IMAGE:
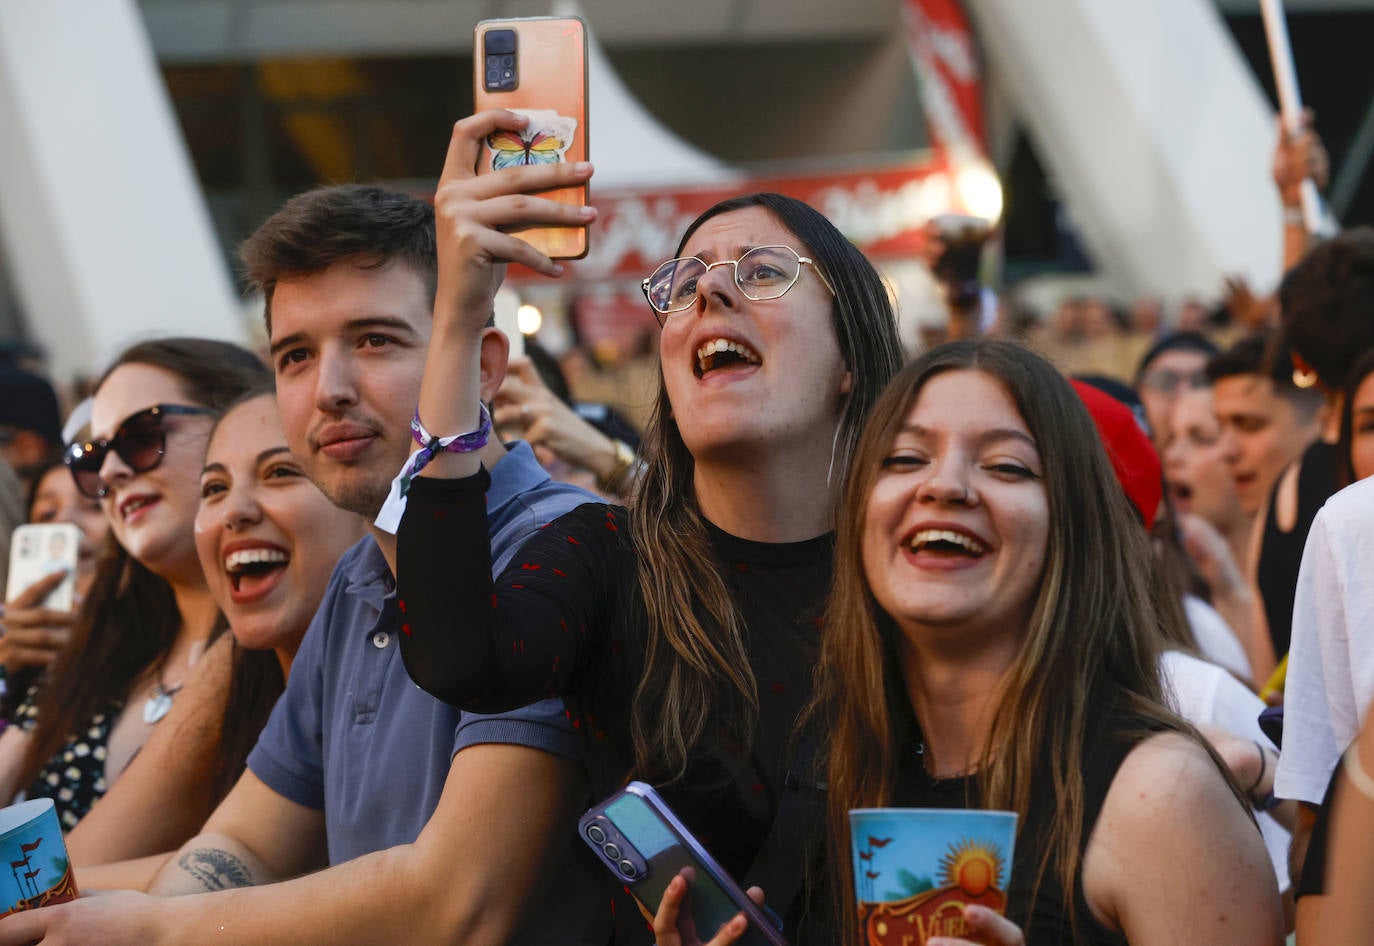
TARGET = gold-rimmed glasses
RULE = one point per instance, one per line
(765, 272)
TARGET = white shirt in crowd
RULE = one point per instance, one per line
(1331, 657)
(1215, 639)
(1203, 693)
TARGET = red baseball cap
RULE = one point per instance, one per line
(1132, 454)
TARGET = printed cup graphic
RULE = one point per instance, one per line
(40, 873)
(915, 869)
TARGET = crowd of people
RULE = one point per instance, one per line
(359, 631)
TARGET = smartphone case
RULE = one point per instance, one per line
(551, 71)
(639, 839)
(36, 551)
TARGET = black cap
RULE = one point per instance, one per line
(1177, 341)
(28, 402)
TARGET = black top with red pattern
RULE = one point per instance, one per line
(567, 619)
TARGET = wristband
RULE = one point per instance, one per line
(1292, 217)
(389, 518)
(458, 443)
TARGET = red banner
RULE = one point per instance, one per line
(948, 73)
(882, 210)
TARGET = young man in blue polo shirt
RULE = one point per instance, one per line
(353, 770)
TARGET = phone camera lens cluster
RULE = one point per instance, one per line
(499, 60)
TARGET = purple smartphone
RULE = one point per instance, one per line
(642, 842)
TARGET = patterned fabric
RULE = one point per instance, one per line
(74, 778)
(567, 618)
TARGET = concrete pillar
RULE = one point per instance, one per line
(1154, 132)
(103, 221)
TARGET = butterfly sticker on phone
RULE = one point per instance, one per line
(543, 141)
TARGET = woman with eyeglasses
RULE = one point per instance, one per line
(681, 633)
(149, 613)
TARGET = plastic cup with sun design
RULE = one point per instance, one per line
(40, 873)
(915, 869)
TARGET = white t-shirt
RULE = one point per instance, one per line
(1215, 639)
(1331, 657)
(1202, 692)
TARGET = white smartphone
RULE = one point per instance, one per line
(36, 551)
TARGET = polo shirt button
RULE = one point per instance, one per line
(381, 639)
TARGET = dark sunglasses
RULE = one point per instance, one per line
(140, 442)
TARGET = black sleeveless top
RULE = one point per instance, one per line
(1111, 737)
(1281, 552)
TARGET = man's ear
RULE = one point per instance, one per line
(494, 354)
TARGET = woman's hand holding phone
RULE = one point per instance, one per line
(478, 219)
(669, 921)
(477, 222)
(30, 634)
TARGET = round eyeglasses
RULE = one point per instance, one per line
(140, 441)
(765, 272)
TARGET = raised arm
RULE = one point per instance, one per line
(1298, 156)
(453, 641)
(475, 219)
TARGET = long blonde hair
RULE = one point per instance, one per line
(696, 663)
(1093, 635)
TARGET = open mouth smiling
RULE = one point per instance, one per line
(251, 569)
(718, 353)
(947, 542)
(130, 506)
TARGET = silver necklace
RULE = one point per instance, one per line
(931, 776)
(160, 703)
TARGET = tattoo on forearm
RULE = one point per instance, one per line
(215, 868)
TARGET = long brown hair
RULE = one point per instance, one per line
(256, 680)
(696, 664)
(1093, 635)
(129, 620)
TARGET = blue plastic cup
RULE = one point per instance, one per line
(915, 869)
(39, 874)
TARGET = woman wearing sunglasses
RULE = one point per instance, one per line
(680, 633)
(268, 541)
(149, 613)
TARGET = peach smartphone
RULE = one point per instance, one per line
(537, 66)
